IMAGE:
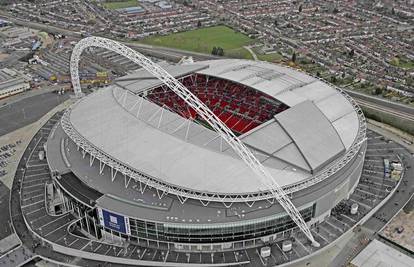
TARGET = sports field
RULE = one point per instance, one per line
(121, 4)
(273, 57)
(203, 40)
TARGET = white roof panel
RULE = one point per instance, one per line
(292, 155)
(268, 139)
(334, 107)
(347, 128)
(290, 98)
(142, 79)
(315, 91)
(313, 134)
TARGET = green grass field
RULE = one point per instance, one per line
(121, 4)
(272, 57)
(403, 62)
(203, 40)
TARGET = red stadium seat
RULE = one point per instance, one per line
(240, 107)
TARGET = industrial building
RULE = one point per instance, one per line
(12, 82)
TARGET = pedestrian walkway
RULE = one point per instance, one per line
(16, 257)
(8, 243)
(248, 48)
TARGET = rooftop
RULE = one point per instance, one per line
(318, 128)
(380, 254)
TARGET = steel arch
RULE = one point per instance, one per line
(245, 154)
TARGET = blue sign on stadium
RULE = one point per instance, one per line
(114, 221)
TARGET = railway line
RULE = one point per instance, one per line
(391, 111)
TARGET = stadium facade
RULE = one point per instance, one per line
(139, 165)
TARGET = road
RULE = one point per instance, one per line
(390, 111)
(20, 113)
(395, 109)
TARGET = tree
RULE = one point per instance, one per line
(294, 57)
(318, 74)
(409, 81)
(91, 22)
(220, 51)
(395, 61)
(214, 52)
(377, 91)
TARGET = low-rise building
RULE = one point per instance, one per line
(12, 82)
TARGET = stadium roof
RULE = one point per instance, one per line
(148, 81)
(318, 128)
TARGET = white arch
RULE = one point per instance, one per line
(245, 154)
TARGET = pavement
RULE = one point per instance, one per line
(16, 137)
(44, 87)
(248, 48)
(8, 243)
(16, 257)
(404, 139)
(28, 110)
(5, 230)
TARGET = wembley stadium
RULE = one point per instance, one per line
(154, 171)
(139, 163)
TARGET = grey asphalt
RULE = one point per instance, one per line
(383, 102)
(5, 230)
(28, 110)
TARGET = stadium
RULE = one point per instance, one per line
(141, 166)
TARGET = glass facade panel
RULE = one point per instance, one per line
(204, 233)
